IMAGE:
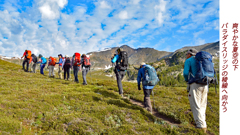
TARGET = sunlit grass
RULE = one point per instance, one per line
(34, 103)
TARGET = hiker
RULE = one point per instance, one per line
(34, 64)
(76, 59)
(51, 65)
(121, 60)
(86, 65)
(60, 62)
(27, 57)
(66, 66)
(43, 62)
(145, 73)
(197, 93)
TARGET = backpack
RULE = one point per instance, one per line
(68, 61)
(86, 61)
(205, 68)
(124, 60)
(34, 58)
(44, 60)
(77, 59)
(28, 54)
(52, 61)
(150, 77)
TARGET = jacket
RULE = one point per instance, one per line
(140, 76)
(190, 69)
(60, 62)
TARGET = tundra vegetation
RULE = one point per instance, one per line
(36, 104)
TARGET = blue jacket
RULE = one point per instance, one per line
(140, 76)
(60, 62)
(190, 65)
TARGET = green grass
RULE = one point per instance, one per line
(36, 104)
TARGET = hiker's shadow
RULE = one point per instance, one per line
(123, 103)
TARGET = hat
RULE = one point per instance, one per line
(142, 64)
(192, 51)
(40, 56)
(119, 50)
(60, 55)
(66, 56)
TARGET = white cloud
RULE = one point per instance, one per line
(160, 10)
(50, 8)
(136, 1)
(103, 4)
(200, 41)
(123, 15)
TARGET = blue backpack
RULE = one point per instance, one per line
(205, 68)
(150, 77)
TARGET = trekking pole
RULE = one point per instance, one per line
(153, 100)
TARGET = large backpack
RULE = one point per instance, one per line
(67, 61)
(124, 60)
(52, 61)
(44, 60)
(34, 58)
(28, 54)
(86, 61)
(150, 77)
(77, 59)
(205, 68)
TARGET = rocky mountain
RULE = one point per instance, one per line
(179, 56)
(136, 56)
(149, 55)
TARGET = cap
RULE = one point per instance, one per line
(192, 51)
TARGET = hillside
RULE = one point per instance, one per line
(37, 104)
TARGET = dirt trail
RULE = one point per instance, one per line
(157, 114)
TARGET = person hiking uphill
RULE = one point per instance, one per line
(197, 93)
(121, 60)
(147, 74)
(76, 59)
(27, 56)
(86, 65)
(34, 64)
(51, 65)
(66, 66)
(43, 62)
(60, 62)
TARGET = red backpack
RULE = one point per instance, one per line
(86, 61)
(77, 59)
(53, 61)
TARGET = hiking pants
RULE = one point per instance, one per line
(66, 70)
(60, 72)
(119, 76)
(147, 101)
(84, 74)
(34, 67)
(24, 62)
(42, 67)
(198, 102)
(75, 72)
(51, 70)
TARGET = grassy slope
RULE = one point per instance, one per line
(33, 103)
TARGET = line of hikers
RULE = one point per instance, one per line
(77, 63)
(198, 73)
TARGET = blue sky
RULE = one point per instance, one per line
(51, 27)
